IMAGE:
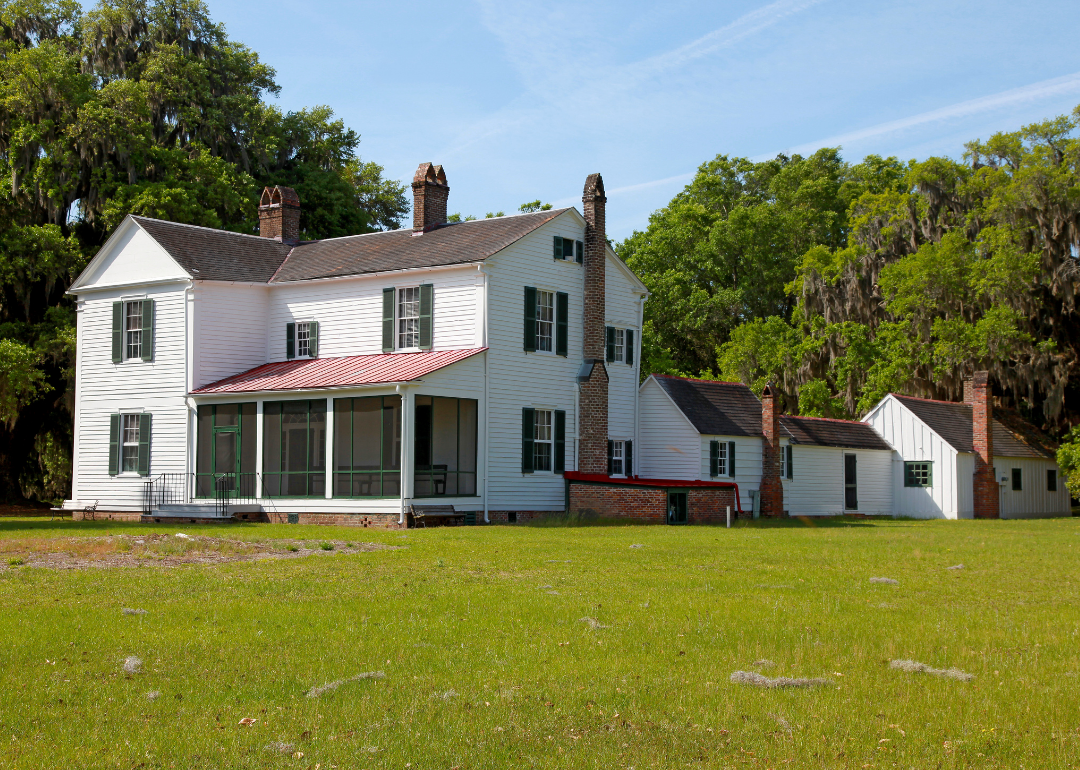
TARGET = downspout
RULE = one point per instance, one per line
(637, 383)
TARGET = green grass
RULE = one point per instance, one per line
(489, 664)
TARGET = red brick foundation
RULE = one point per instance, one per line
(336, 519)
(108, 516)
(648, 505)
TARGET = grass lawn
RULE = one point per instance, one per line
(518, 647)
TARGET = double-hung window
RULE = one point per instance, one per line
(619, 462)
(133, 331)
(542, 440)
(545, 320)
(303, 340)
(129, 452)
(722, 458)
(620, 345)
(408, 318)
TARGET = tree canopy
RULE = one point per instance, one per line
(135, 107)
(840, 283)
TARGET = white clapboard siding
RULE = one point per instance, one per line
(622, 306)
(747, 465)
(1033, 500)
(817, 484)
(540, 380)
(349, 311)
(230, 329)
(913, 440)
(105, 388)
(669, 443)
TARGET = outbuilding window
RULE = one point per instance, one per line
(1017, 480)
(1051, 480)
(918, 474)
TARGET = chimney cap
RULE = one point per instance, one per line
(429, 173)
(768, 392)
(981, 379)
(594, 188)
(279, 196)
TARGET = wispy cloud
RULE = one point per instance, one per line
(1036, 92)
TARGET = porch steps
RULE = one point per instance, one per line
(203, 513)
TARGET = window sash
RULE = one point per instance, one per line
(545, 320)
(303, 340)
(129, 443)
(408, 313)
(918, 474)
(618, 454)
(620, 345)
(543, 443)
(133, 317)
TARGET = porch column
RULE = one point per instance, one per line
(328, 452)
(259, 449)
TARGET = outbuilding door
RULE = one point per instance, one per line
(677, 507)
(851, 484)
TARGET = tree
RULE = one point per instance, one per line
(145, 107)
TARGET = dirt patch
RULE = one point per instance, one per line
(163, 550)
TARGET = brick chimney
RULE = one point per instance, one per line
(969, 392)
(430, 193)
(592, 451)
(985, 486)
(772, 489)
(279, 214)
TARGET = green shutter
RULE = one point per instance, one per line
(313, 339)
(628, 458)
(557, 247)
(580, 251)
(427, 302)
(629, 347)
(114, 444)
(559, 464)
(530, 318)
(787, 461)
(388, 320)
(562, 323)
(144, 444)
(290, 341)
(731, 459)
(527, 435)
(610, 458)
(714, 458)
(117, 332)
(611, 343)
(148, 330)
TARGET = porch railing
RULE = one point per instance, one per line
(168, 489)
(235, 489)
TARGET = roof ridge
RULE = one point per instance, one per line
(138, 217)
(826, 419)
(931, 400)
(696, 379)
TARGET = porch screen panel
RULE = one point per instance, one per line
(239, 418)
(367, 446)
(445, 449)
(294, 448)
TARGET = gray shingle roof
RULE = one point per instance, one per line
(220, 255)
(217, 255)
(732, 409)
(953, 422)
(400, 249)
(822, 431)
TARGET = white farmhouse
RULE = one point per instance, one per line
(943, 450)
(459, 366)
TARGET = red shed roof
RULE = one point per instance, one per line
(314, 373)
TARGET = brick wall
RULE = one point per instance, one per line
(772, 489)
(593, 414)
(984, 485)
(648, 505)
(593, 411)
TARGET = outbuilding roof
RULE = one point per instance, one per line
(317, 373)
(221, 255)
(953, 422)
(732, 409)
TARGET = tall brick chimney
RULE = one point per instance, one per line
(592, 451)
(772, 489)
(430, 193)
(985, 486)
(279, 214)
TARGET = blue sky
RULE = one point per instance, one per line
(521, 100)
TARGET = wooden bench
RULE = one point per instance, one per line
(420, 513)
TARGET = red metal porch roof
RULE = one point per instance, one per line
(314, 373)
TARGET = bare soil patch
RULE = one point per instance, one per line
(164, 550)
